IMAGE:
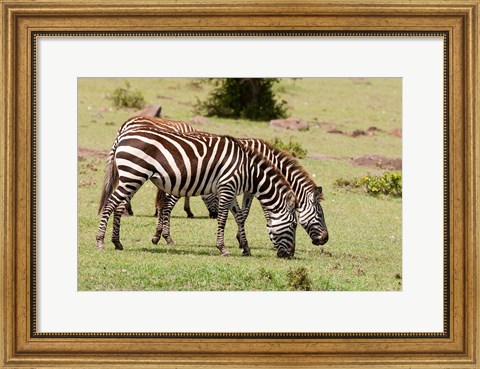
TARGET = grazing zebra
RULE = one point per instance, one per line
(192, 165)
(311, 216)
(308, 195)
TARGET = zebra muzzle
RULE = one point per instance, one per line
(284, 254)
(322, 240)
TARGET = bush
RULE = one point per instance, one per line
(124, 97)
(247, 98)
(389, 184)
(299, 280)
(292, 147)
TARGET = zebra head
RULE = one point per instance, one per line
(282, 225)
(312, 219)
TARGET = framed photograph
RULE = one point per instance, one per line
(353, 125)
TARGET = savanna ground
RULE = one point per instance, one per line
(364, 252)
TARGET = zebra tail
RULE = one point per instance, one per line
(111, 177)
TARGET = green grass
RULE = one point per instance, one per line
(363, 253)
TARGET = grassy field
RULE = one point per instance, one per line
(364, 252)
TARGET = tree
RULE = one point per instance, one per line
(247, 98)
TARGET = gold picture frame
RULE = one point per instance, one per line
(457, 347)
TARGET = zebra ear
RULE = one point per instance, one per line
(319, 193)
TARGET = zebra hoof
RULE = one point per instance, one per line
(246, 253)
(118, 246)
(225, 253)
(168, 240)
(283, 254)
(101, 247)
(155, 240)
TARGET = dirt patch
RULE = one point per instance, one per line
(84, 152)
(290, 123)
(164, 97)
(377, 161)
(396, 132)
(360, 81)
(371, 131)
(336, 131)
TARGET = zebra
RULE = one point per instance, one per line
(310, 212)
(309, 195)
(196, 164)
(311, 215)
(177, 126)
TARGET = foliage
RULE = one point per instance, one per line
(294, 148)
(247, 98)
(388, 183)
(299, 280)
(125, 97)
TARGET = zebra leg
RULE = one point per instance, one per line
(117, 215)
(186, 207)
(241, 236)
(159, 201)
(113, 202)
(168, 205)
(128, 208)
(211, 202)
(224, 204)
(163, 221)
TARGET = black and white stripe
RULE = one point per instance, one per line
(308, 194)
(179, 127)
(192, 165)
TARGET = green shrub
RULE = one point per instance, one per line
(388, 183)
(124, 97)
(299, 280)
(292, 147)
(246, 98)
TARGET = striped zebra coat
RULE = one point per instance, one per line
(192, 165)
(308, 194)
(211, 201)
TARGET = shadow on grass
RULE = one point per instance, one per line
(191, 248)
(202, 217)
(201, 250)
(208, 250)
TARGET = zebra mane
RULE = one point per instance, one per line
(290, 161)
(255, 153)
(293, 162)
